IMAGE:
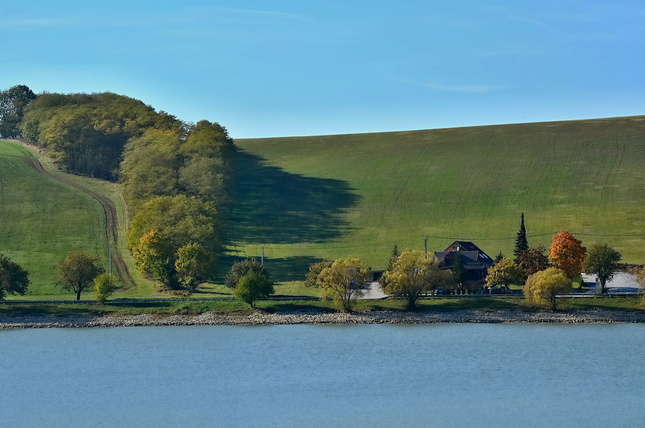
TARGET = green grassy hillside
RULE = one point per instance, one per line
(41, 219)
(308, 198)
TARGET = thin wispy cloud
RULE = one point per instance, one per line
(265, 13)
(473, 89)
(570, 35)
(41, 22)
(79, 22)
(194, 16)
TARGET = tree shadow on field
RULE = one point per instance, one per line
(289, 268)
(281, 269)
(272, 206)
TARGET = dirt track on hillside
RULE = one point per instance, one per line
(111, 225)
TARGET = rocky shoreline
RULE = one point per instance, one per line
(590, 316)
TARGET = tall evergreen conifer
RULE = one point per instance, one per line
(521, 244)
(393, 257)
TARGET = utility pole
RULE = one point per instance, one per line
(110, 259)
(262, 256)
(425, 245)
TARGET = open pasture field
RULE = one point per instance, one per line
(309, 198)
(41, 219)
(44, 216)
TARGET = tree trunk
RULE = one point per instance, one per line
(78, 295)
(412, 304)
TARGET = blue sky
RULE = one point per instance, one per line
(309, 67)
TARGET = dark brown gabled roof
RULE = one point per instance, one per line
(465, 247)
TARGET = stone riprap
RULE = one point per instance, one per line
(312, 317)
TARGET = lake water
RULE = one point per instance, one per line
(478, 375)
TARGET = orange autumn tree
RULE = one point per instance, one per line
(567, 253)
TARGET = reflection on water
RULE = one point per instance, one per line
(359, 376)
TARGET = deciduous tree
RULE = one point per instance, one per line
(343, 281)
(104, 286)
(241, 268)
(602, 261)
(13, 102)
(78, 270)
(253, 286)
(534, 260)
(639, 275)
(311, 278)
(412, 274)
(505, 272)
(153, 255)
(567, 253)
(13, 278)
(194, 264)
(544, 286)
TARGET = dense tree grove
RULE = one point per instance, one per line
(86, 133)
(175, 176)
(163, 226)
(196, 163)
(175, 183)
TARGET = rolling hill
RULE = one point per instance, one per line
(308, 198)
(303, 199)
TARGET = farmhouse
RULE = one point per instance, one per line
(474, 261)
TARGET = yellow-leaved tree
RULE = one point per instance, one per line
(505, 272)
(412, 274)
(544, 286)
(343, 281)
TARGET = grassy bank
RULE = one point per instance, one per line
(490, 304)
